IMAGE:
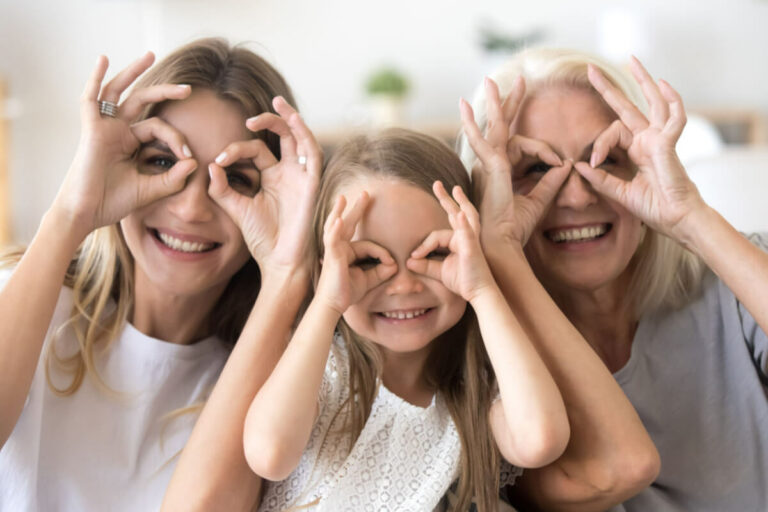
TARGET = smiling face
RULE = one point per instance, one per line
(408, 311)
(584, 241)
(185, 244)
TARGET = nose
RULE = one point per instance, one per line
(192, 203)
(576, 192)
(404, 282)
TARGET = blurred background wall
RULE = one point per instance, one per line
(713, 51)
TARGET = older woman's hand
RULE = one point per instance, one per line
(506, 217)
(660, 193)
(275, 222)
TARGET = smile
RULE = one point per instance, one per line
(584, 234)
(184, 245)
(404, 314)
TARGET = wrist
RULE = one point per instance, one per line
(695, 225)
(503, 252)
(288, 276)
(484, 294)
(325, 308)
(68, 228)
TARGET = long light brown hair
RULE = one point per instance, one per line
(460, 369)
(101, 272)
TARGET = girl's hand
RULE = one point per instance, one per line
(454, 256)
(103, 184)
(350, 269)
(507, 217)
(660, 193)
(275, 221)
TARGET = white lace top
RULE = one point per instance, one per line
(404, 460)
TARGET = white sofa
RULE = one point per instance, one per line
(734, 181)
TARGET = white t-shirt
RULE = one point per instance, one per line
(404, 460)
(92, 451)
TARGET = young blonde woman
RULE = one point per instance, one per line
(177, 211)
(668, 294)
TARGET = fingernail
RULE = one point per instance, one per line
(251, 119)
(187, 152)
(221, 157)
(210, 171)
(592, 160)
(183, 86)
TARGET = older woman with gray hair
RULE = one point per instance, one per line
(587, 184)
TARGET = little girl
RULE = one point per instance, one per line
(391, 387)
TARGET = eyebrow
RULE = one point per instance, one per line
(156, 144)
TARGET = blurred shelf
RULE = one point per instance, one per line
(737, 126)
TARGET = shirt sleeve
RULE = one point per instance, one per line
(754, 335)
(509, 474)
(5, 275)
(333, 389)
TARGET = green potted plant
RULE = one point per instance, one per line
(387, 88)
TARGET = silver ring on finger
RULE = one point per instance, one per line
(302, 160)
(107, 108)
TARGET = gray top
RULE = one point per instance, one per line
(698, 378)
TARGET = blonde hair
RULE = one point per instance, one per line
(664, 274)
(101, 273)
(465, 383)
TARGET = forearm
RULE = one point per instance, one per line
(535, 423)
(610, 455)
(216, 443)
(27, 303)
(282, 414)
(741, 265)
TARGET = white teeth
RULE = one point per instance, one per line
(183, 245)
(578, 234)
(403, 315)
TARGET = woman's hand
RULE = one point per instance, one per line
(350, 269)
(454, 256)
(660, 193)
(275, 222)
(507, 217)
(103, 184)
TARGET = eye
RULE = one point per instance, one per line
(609, 160)
(537, 168)
(156, 164)
(366, 263)
(438, 254)
(242, 183)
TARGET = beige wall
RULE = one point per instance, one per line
(712, 50)
(5, 221)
